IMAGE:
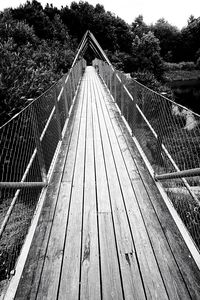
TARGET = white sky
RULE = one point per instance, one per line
(176, 12)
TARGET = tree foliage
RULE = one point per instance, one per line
(138, 27)
(170, 39)
(38, 44)
(146, 53)
(191, 38)
(29, 64)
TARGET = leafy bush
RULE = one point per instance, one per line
(146, 78)
(29, 65)
(23, 76)
(186, 66)
(171, 66)
(149, 80)
(146, 55)
(198, 64)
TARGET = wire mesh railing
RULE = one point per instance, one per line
(169, 135)
(28, 143)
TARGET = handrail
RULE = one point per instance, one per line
(180, 174)
(22, 185)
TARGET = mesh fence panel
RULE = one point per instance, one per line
(185, 204)
(169, 135)
(18, 145)
(45, 112)
(27, 147)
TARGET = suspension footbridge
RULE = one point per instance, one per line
(115, 215)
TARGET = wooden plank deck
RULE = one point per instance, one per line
(104, 231)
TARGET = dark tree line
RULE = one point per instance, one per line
(37, 46)
(113, 33)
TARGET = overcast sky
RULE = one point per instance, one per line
(176, 12)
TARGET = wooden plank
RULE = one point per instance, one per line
(110, 274)
(90, 271)
(181, 253)
(172, 276)
(173, 280)
(69, 281)
(67, 173)
(152, 277)
(131, 277)
(49, 281)
(29, 282)
(186, 264)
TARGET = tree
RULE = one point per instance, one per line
(146, 53)
(190, 36)
(60, 31)
(138, 27)
(124, 36)
(99, 9)
(19, 31)
(29, 65)
(51, 11)
(191, 19)
(34, 15)
(170, 38)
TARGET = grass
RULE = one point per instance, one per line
(16, 230)
(181, 75)
(188, 210)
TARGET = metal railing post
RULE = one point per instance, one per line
(57, 114)
(77, 76)
(65, 97)
(82, 68)
(160, 133)
(34, 123)
(111, 82)
(105, 74)
(101, 69)
(71, 87)
(115, 86)
(74, 78)
(78, 73)
(140, 119)
(134, 111)
(110, 79)
(73, 82)
(107, 77)
(122, 97)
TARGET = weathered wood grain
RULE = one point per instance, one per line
(172, 278)
(111, 281)
(153, 283)
(131, 277)
(70, 273)
(90, 269)
(49, 281)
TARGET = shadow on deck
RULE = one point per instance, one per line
(104, 231)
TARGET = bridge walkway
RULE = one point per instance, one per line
(104, 231)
